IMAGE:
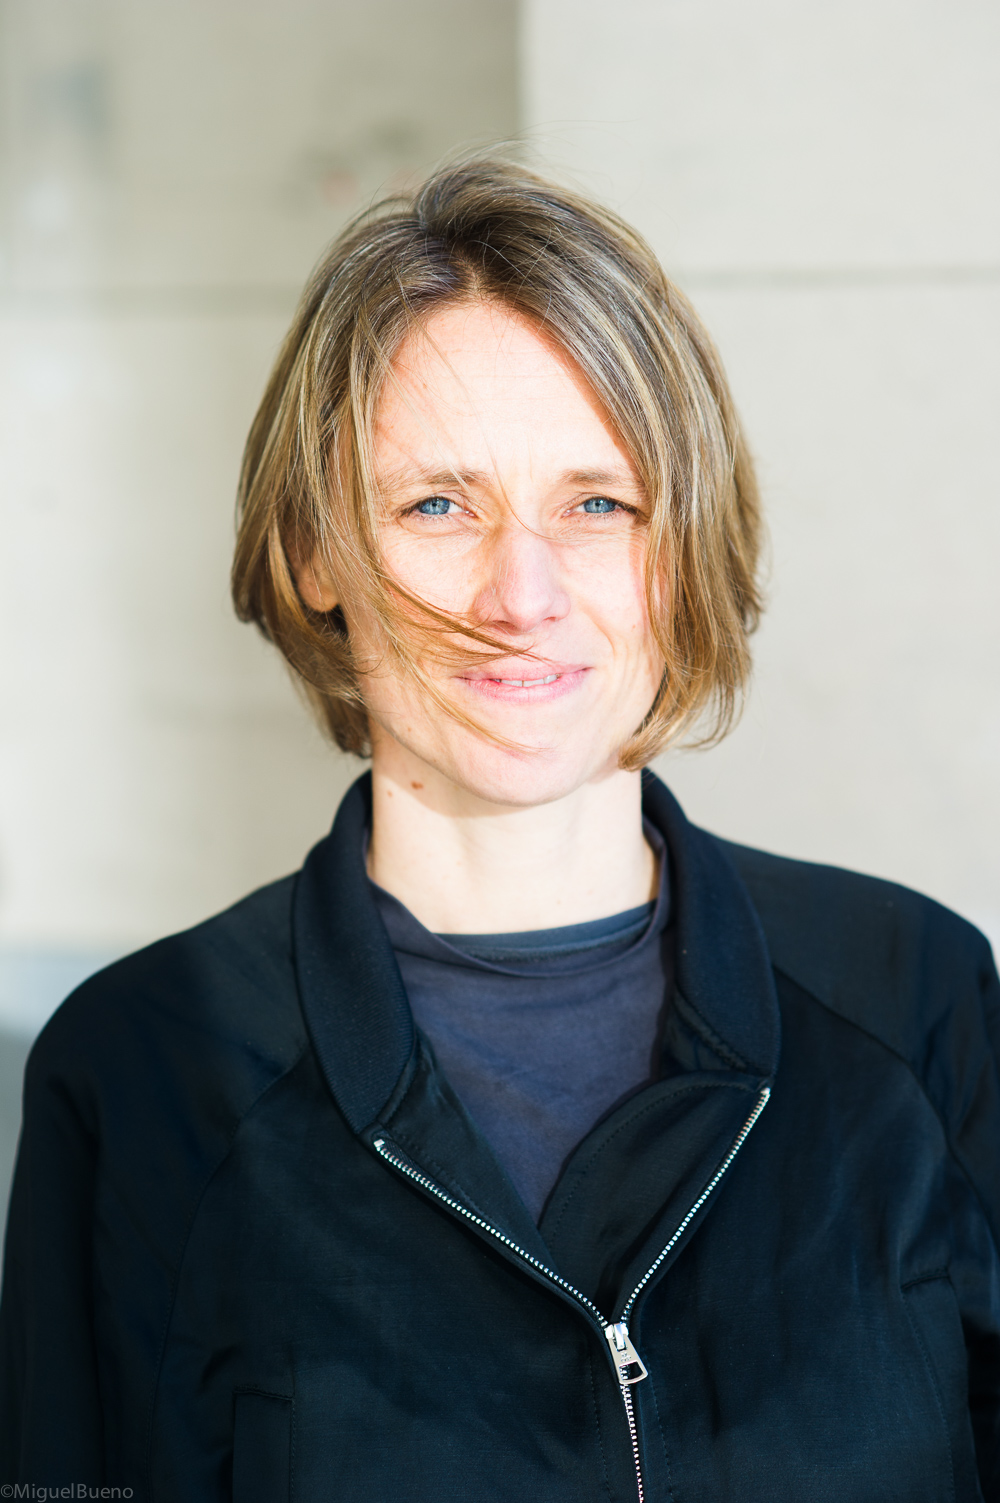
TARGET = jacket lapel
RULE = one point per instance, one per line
(428, 1121)
(632, 1182)
(629, 1185)
(382, 1076)
(349, 983)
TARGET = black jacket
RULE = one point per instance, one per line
(258, 1250)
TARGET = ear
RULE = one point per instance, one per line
(315, 585)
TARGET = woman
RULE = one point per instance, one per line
(530, 1142)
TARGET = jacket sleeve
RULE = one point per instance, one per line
(985, 1365)
(975, 1134)
(50, 1416)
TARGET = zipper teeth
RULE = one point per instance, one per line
(555, 1278)
(456, 1205)
(549, 1273)
(633, 1431)
(741, 1138)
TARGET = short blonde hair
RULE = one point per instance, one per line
(486, 228)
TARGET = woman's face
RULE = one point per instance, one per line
(509, 501)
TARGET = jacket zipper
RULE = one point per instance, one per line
(627, 1361)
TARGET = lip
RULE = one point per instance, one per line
(525, 683)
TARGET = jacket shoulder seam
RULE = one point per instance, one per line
(906, 1064)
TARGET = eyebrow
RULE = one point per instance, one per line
(618, 478)
(432, 478)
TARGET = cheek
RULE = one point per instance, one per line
(443, 575)
(394, 705)
(391, 696)
(609, 585)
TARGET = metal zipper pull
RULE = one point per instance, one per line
(628, 1363)
(631, 1368)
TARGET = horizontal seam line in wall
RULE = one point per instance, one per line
(281, 298)
(150, 300)
(808, 277)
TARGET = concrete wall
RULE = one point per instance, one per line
(821, 179)
(168, 175)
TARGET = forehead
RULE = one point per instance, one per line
(479, 387)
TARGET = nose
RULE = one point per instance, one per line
(523, 589)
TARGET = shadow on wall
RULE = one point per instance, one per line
(13, 1053)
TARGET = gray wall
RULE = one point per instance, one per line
(168, 175)
(822, 180)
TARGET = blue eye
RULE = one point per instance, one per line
(434, 506)
(599, 505)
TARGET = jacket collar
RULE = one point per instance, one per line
(351, 991)
(723, 968)
(355, 1004)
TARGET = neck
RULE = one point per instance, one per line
(463, 865)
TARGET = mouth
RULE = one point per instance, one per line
(525, 683)
(503, 685)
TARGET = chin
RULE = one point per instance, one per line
(524, 779)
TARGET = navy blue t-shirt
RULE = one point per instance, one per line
(540, 1033)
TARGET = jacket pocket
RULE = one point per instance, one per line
(262, 1447)
(937, 1325)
